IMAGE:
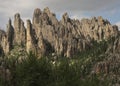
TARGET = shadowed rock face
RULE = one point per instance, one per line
(48, 35)
(10, 36)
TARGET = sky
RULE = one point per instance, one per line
(108, 9)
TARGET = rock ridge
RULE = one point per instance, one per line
(45, 35)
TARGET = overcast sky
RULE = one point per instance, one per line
(109, 9)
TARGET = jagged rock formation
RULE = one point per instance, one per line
(30, 44)
(10, 35)
(7, 38)
(34, 44)
(47, 35)
(20, 31)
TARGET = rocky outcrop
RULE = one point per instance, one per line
(19, 30)
(46, 35)
(10, 36)
(6, 38)
(30, 43)
(2, 41)
(110, 65)
(34, 44)
(111, 62)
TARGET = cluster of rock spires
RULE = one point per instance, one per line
(45, 34)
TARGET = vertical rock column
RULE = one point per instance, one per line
(10, 36)
(20, 31)
(30, 43)
(36, 21)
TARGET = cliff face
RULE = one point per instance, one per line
(47, 35)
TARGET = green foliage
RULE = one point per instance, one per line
(33, 71)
